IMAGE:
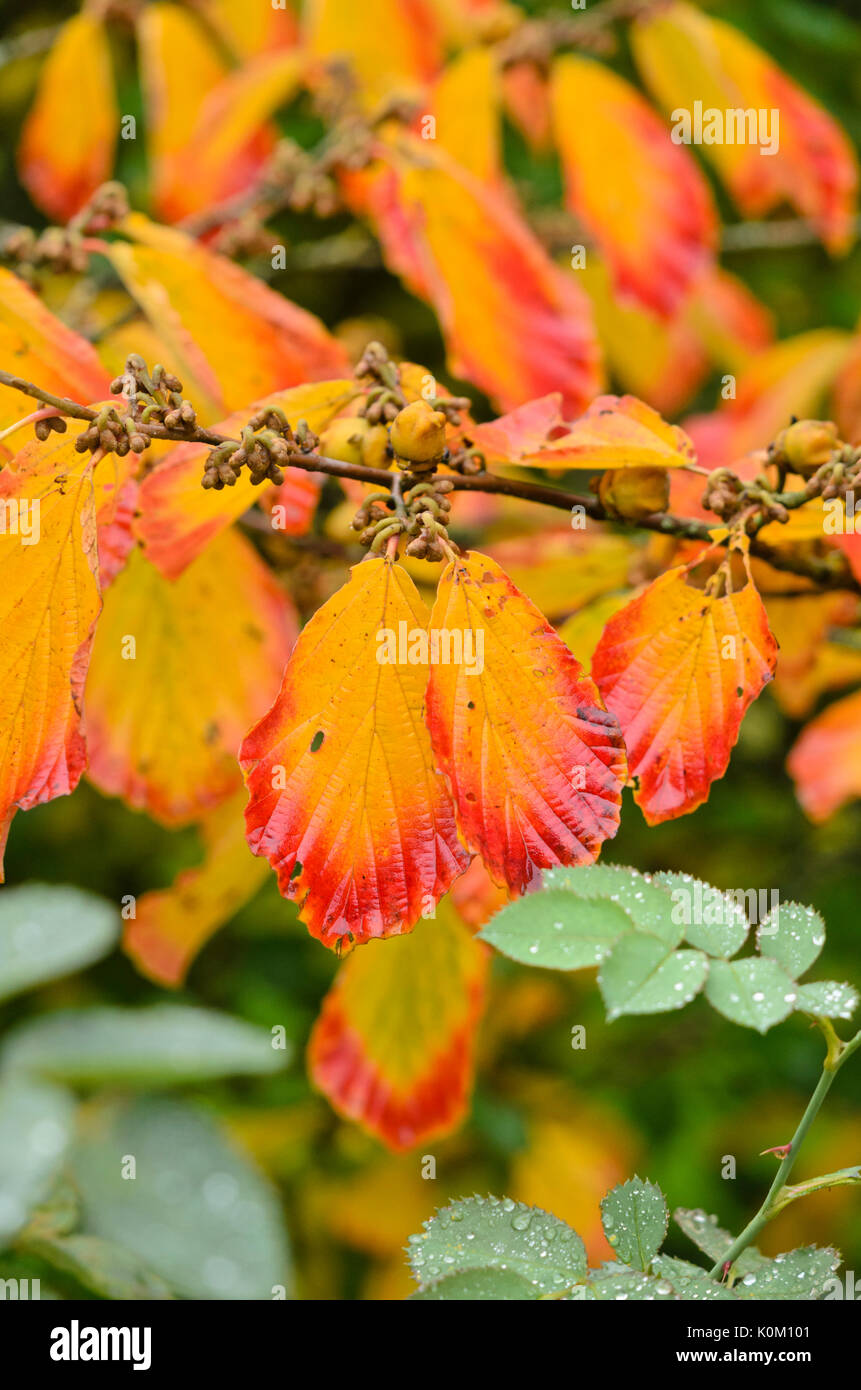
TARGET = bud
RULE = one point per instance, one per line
(805, 445)
(634, 493)
(418, 433)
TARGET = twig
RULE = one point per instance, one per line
(820, 571)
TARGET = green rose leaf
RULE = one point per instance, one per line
(478, 1285)
(478, 1233)
(649, 908)
(711, 920)
(827, 999)
(557, 929)
(634, 1216)
(690, 1282)
(800, 1274)
(793, 936)
(642, 976)
(754, 993)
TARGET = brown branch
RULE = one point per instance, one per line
(819, 570)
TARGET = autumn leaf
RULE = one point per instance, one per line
(393, 1046)
(178, 518)
(233, 135)
(642, 197)
(534, 762)
(257, 29)
(171, 925)
(116, 497)
(180, 66)
(825, 762)
(345, 802)
(615, 432)
(664, 361)
(789, 378)
(409, 56)
(466, 104)
(808, 663)
(49, 603)
(568, 570)
(165, 712)
(513, 322)
(679, 667)
(67, 146)
(226, 332)
(687, 58)
(39, 347)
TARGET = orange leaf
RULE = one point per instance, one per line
(513, 322)
(228, 333)
(49, 603)
(180, 67)
(170, 926)
(615, 432)
(534, 762)
(642, 197)
(40, 348)
(393, 1046)
(67, 144)
(679, 668)
(165, 711)
(179, 517)
(691, 62)
(344, 799)
(825, 763)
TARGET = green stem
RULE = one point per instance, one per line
(775, 1198)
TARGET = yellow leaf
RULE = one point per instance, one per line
(49, 603)
(466, 103)
(40, 348)
(170, 926)
(692, 61)
(229, 335)
(642, 197)
(393, 1046)
(165, 711)
(67, 144)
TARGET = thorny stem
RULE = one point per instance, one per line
(778, 1195)
(812, 567)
